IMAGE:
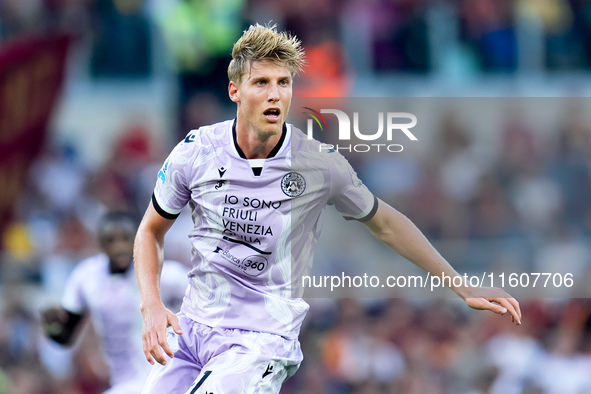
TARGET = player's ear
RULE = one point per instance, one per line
(233, 92)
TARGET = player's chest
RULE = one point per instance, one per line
(269, 184)
(115, 297)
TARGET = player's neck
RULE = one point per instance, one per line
(114, 269)
(255, 144)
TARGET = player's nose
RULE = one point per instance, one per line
(273, 92)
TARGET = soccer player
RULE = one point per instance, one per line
(104, 287)
(257, 188)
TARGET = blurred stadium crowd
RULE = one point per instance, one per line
(526, 204)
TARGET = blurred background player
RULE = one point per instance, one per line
(104, 287)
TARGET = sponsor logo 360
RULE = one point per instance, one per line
(252, 265)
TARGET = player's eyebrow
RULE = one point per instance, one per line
(259, 78)
(266, 78)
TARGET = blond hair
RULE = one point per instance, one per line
(265, 43)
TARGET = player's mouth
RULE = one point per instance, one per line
(272, 114)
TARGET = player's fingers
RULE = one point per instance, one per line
(515, 304)
(501, 310)
(54, 315)
(157, 354)
(147, 348)
(148, 356)
(173, 321)
(510, 308)
(154, 347)
(62, 315)
(164, 345)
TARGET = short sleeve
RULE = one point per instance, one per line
(347, 193)
(172, 191)
(73, 299)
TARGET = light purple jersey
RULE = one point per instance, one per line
(112, 301)
(254, 229)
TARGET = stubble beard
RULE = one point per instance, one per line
(264, 135)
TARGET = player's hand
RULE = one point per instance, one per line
(53, 320)
(156, 319)
(494, 300)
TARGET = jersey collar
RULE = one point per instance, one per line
(272, 153)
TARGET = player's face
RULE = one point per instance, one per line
(263, 96)
(118, 245)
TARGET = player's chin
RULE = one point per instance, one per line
(122, 262)
(272, 127)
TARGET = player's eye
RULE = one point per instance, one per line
(260, 83)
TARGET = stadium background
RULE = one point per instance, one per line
(138, 73)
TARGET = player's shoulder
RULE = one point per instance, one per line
(92, 266)
(310, 149)
(202, 142)
(300, 142)
(217, 134)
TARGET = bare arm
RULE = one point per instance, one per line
(401, 235)
(148, 257)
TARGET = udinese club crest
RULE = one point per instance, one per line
(293, 184)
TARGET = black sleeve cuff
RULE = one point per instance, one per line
(161, 211)
(64, 333)
(370, 215)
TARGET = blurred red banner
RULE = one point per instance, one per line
(31, 74)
